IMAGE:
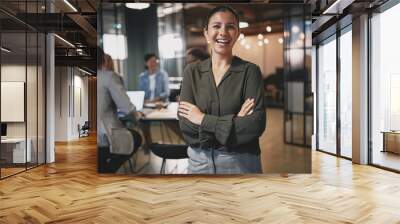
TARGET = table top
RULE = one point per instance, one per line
(164, 114)
(13, 140)
(391, 132)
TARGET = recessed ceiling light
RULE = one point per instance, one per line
(295, 29)
(5, 50)
(86, 72)
(65, 41)
(70, 5)
(138, 6)
(269, 29)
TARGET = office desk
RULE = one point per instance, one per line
(165, 114)
(391, 141)
(13, 150)
(167, 117)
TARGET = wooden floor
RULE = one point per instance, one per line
(71, 191)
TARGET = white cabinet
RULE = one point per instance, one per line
(18, 149)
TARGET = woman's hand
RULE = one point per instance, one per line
(190, 112)
(247, 108)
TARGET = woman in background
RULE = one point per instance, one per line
(115, 142)
(222, 112)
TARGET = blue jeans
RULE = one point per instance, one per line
(202, 161)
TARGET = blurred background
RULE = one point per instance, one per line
(275, 37)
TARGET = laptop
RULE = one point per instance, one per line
(137, 98)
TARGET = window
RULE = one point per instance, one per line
(327, 96)
(346, 93)
(385, 89)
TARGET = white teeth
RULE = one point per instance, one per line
(223, 41)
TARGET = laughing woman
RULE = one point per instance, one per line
(221, 112)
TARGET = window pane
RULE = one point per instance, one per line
(327, 96)
(385, 84)
(345, 94)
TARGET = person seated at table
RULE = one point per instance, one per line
(116, 143)
(153, 81)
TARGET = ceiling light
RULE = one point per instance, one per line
(241, 36)
(243, 24)
(285, 33)
(5, 50)
(260, 36)
(70, 5)
(86, 72)
(65, 41)
(260, 43)
(269, 29)
(280, 40)
(337, 7)
(295, 29)
(117, 26)
(266, 41)
(138, 6)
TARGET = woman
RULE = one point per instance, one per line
(221, 111)
(115, 142)
(153, 81)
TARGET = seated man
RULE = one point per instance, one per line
(153, 81)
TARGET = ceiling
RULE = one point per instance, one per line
(75, 22)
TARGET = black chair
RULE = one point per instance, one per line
(110, 163)
(169, 151)
(84, 130)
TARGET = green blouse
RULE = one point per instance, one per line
(221, 127)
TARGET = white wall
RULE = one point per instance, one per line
(12, 73)
(33, 126)
(71, 102)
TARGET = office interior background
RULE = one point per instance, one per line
(48, 88)
(171, 30)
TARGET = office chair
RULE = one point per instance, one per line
(169, 151)
(84, 130)
(110, 163)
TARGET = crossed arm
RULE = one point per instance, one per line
(233, 129)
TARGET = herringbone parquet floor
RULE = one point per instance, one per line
(71, 191)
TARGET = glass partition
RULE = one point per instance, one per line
(22, 88)
(14, 153)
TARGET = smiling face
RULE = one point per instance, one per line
(222, 32)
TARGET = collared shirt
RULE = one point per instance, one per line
(221, 128)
